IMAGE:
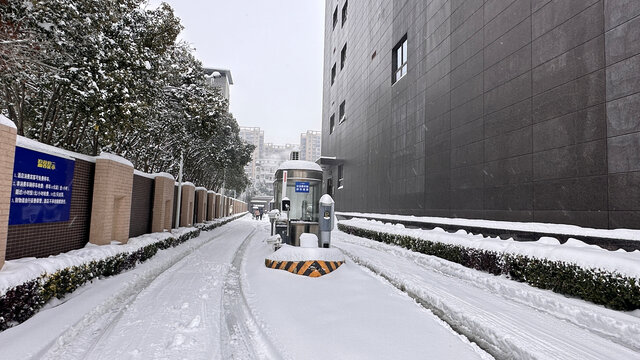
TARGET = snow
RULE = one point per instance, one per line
(210, 192)
(114, 157)
(299, 165)
(186, 183)
(213, 297)
(347, 314)
(143, 174)
(510, 319)
(163, 174)
(308, 240)
(18, 271)
(6, 122)
(574, 251)
(294, 253)
(326, 199)
(564, 229)
(200, 188)
(52, 150)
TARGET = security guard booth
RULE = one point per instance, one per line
(299, 183)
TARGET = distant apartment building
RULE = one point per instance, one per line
(310, 145)
(219, 78)
(500, 110)
(254, 136)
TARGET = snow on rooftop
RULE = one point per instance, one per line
(299, 165)
(52, 150)
(6, 122)
(294, 253)
(114, 157)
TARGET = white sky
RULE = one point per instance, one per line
(274, 50)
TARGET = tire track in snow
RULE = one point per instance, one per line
(241, 332)
(97, 324)
(499, 330)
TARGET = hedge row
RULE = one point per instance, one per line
(21, 302)
(599, 286)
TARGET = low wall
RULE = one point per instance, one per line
(103, 200)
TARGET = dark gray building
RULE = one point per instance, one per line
(520, 110)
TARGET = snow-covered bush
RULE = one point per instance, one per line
(608, 288)
(21, 302)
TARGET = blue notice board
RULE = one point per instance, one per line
(302, 186)
(41, 188)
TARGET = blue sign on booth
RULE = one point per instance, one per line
(302, 186)
(41, 188)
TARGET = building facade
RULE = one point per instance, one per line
(254, 136)
(310, 145)
(219, 78)
(519, 110)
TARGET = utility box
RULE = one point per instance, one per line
(326, 220)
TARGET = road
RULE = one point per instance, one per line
(213, 298)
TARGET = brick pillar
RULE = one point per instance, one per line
(162, 202)
(7, 155)
(216, 206)
(211, 205)
(111, 206)
(201, 214)
(186, 208)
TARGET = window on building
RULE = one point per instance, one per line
(332, 123)
(335, 18)
(343, 116)
(343, 56)
(340, 177)
(333, 74)
(399, 61)
(344, 13)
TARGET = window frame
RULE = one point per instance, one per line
(332, 123)
(343, 56)
(344, 13)
(399, 53)
(342, 112)
(334, 73)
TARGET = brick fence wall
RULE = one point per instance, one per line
(53, 238)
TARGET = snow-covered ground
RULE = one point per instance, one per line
(213, 297)
(511, 320)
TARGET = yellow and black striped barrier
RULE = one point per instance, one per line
(311, 268)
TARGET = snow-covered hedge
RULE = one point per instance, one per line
(19, 303)
(601, 286)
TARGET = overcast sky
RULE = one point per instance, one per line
(274, 50)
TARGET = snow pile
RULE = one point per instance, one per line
(52, 150)
(6, 122)
(294, 253)
(574, 251)
(114, 157)
(564, 229)
(308, 240)
(163, 174)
